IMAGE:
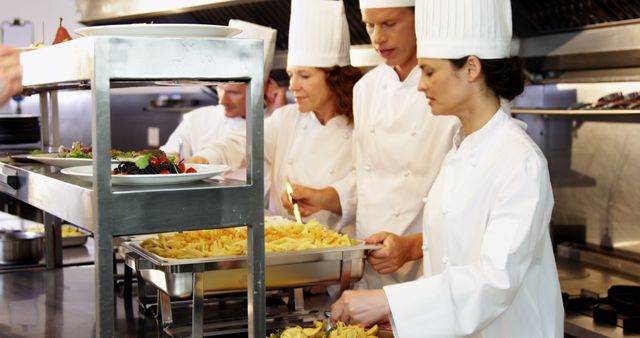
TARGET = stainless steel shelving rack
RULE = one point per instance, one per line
(103, 63)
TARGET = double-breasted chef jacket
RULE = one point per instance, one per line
(208, 127)
(298, 146)
(488, 260)
(398, 147)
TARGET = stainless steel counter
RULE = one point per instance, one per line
(579, 277)
(60, 303)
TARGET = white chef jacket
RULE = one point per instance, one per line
(297, 145)
(489, 264)
(209, 126)
(398, 148)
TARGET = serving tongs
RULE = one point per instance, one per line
(296, 208)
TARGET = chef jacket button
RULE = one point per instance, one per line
(445, 211)
(332, 172)
(445, 260)
(407, 173)
(373, 131)
(367, 168)
(424, 248)
(424, 200)
(346, 136)
(397, 214)
(413, 133)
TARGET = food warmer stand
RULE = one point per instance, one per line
(100, 64)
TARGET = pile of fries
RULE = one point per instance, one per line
(340, 330)
(233, 241)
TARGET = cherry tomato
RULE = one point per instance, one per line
(181, 167)
(191, 170)
(164, 172)
(154, 161)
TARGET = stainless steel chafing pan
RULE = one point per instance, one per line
(342, 265)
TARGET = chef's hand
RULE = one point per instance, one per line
(10, 74)
(312, 200)
(396, 251)
(197, 160)
(364, 307)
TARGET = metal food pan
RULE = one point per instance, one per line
(229, 274)
(76, 240)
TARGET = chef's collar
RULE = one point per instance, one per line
(310, 119)
(479, 140)
(410, 81)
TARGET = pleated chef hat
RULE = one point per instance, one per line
(387, 3)
(454, 29)
(318, 34)
(266, 34)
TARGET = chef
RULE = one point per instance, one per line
(488, 260)
(398, 148)
(215, 124)
(309, 142)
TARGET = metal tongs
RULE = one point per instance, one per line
(296, 208)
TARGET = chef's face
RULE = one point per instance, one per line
(233, 96)
(445, 87)
(393, 35)
(310, 89)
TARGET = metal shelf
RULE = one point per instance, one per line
(101, 64)
(575, 112)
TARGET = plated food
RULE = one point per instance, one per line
(233, 241)
(77, 150)
(340, 330)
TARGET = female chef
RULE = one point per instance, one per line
(488, 260)
(310, 141)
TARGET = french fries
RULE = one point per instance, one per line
(233, 241)
(340, 330)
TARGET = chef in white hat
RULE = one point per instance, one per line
(309, 142)
(398, 146)
(488, 258)
(215, 125)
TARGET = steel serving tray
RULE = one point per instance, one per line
(291, 269)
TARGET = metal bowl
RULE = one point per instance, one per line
(20, 247)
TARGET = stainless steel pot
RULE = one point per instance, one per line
(20, 247)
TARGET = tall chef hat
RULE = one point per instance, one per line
(318, 34)
(386, 3)
(454, 29)
(254, 31)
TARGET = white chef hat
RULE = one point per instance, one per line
(387, 3)
(318, 34)
(453, 29)
(255, 31)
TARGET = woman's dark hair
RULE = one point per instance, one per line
(504, 76)
(341, 81)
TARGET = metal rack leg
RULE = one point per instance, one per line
(53, 240)
(197, 319)
(105, 301)
(164, 303)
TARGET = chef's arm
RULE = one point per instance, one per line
(396, 251)
(464, 299)
(229, 151)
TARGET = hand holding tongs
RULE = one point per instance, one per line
(296, 208)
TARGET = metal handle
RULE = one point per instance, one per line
(9, 177)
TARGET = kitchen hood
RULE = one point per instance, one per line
(554, 36)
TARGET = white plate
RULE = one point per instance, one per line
(160, 30)
(62, 162)
(204, 171)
